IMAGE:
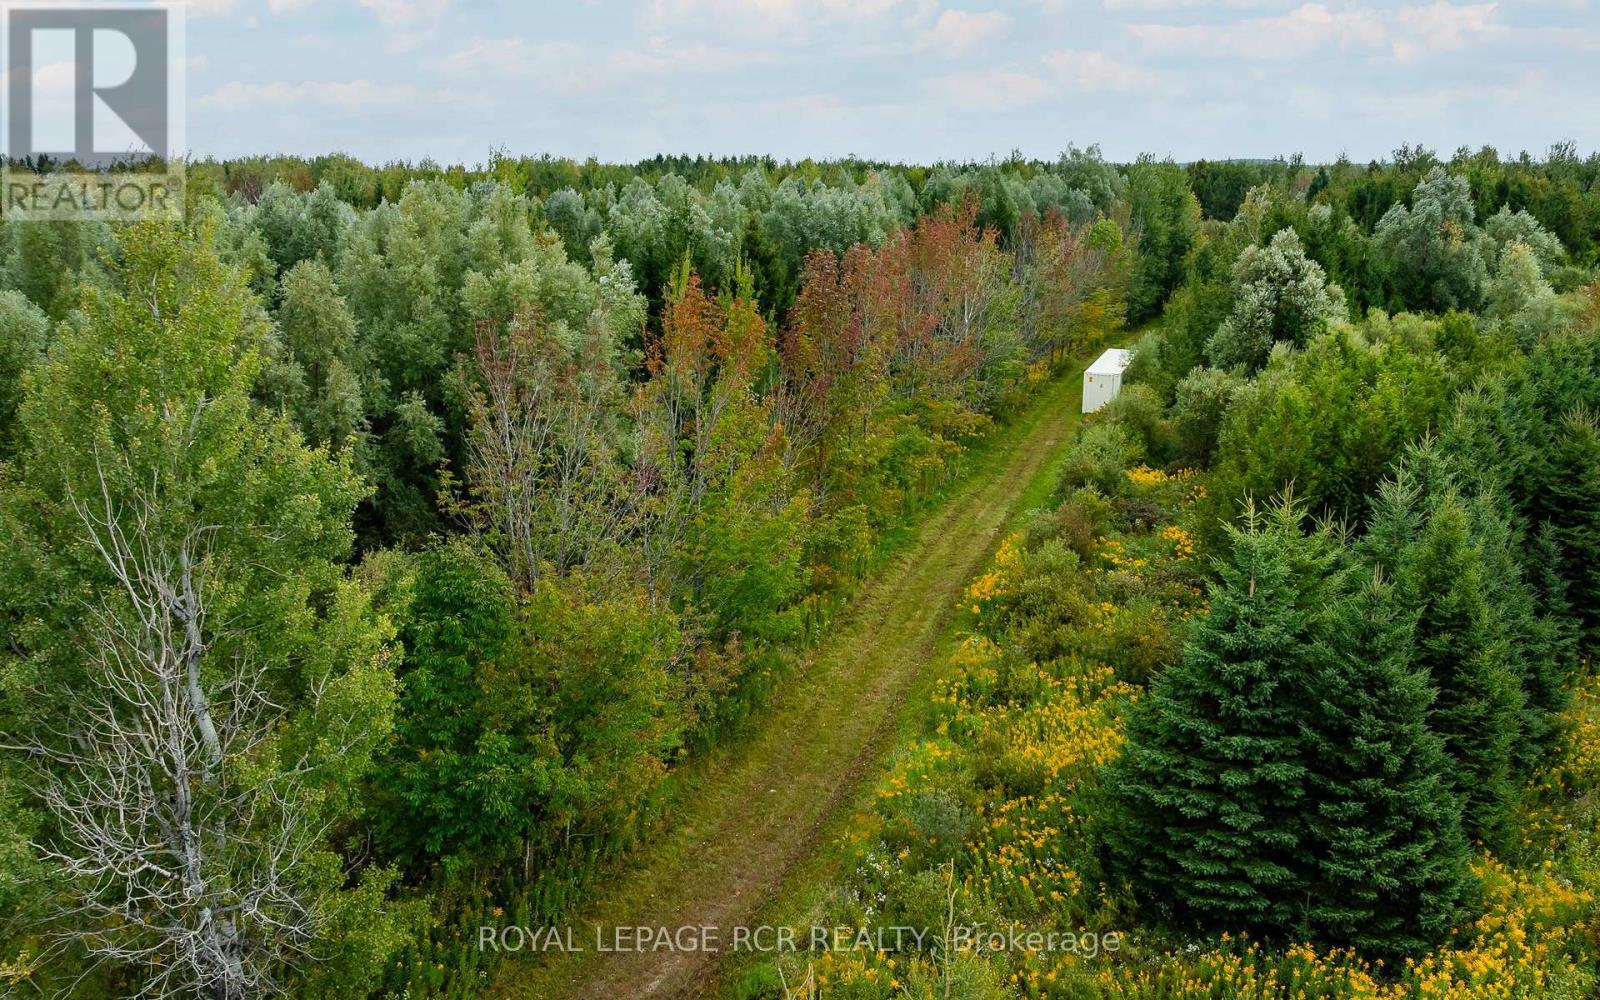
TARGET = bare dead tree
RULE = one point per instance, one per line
(181, 834)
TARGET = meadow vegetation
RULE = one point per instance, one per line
(380, 544)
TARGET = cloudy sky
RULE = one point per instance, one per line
(892, 79)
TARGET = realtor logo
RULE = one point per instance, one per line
(94, 110)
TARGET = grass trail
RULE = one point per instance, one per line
(763, 803)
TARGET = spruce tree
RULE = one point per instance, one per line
(1282, 778)
(1536, 656)
(1571, 502)
(1213, 787)
(1557, 480)
(1442, 578)
(1514, 572)
(1551, 599)
(1385, 825)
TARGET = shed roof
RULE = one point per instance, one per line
(1111, 362)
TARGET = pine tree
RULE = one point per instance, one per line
(1391, 858)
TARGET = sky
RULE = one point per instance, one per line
(900, 80)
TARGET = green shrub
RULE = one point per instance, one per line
(1078, 523)
(1202, 402)
(1139, 410)
(1105, 450)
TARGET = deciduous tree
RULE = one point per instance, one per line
(201, 709)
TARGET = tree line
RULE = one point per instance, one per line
(379, 542)
(1402, 512)
(1291, 682)
(370, 568)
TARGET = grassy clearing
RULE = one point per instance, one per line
(822, 867)
(755, 812)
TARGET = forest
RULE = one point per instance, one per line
(385, 551)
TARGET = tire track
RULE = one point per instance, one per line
(762, 805)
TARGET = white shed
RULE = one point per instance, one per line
(1103, 379)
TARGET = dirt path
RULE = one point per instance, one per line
(761, 808)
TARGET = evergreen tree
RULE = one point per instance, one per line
(1282, 778)
(1536, 656)
(1214, 786)
(1167, 217)
(1571, 503)
(1550, 597)
(1442, 578)
(1550, 429)
(1535, 630)
(1391, 858)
